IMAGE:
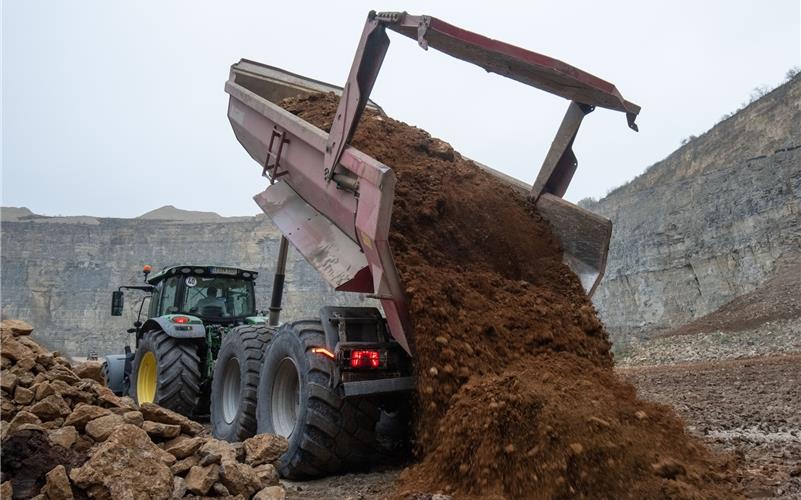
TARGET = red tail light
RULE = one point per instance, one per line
(365, 359)
(180, 319)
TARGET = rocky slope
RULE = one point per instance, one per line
(708, 223)
(58, 272)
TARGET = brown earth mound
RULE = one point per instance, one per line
(516, 395)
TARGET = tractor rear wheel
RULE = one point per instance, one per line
(235, 381)
(166, 371)
(297, 399)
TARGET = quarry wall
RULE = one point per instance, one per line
(58, 272)
(708, 223)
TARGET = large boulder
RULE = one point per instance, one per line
(63, 373)
(42, 390)
(14, 349)
(76, 393)
(22, 417)
(101, 428)
(8, 381)
(127, 465)
(51, 408)
(200, 479)
(15, 327)
(271, 493)
(63, 436)
(91, 370)
(183, 446)
(215, 451)
(83, 414)
(264, 448)
(267, 474)
(106, 397)
(180, 467)
(156, 413)
(133, 417)
(57, 485)
(161, 431)
(22, 395)
(239, 478)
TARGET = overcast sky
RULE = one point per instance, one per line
(116, 108)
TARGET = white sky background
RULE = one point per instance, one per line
(114, 109)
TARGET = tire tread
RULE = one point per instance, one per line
(339, 433)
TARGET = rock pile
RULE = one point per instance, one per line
(64, 436)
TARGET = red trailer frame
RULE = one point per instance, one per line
(334, 203)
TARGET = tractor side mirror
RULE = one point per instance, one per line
(116, 303)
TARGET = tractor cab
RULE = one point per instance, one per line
(219, 295)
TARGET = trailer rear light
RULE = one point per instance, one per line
(365, 359)
(323, 351)
(180, 319)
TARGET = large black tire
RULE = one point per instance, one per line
(104, 370)
(235, 381)
(330, 433)
(177, 377)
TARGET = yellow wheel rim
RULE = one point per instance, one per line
(146, 378)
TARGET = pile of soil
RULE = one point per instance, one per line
(516, 393)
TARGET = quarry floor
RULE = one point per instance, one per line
(747, 407)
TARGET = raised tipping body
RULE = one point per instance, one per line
(334, 203)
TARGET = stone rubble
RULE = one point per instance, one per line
(65, 435)
(773, 338)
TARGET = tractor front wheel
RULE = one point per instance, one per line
(166, 371)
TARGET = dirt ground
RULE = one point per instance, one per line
(372, 485)
(750, 407)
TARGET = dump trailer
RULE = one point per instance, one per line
(325, 382)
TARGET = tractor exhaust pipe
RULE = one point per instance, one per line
(278, 282)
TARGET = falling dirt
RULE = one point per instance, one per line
(516, 393)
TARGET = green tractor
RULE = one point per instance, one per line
(195, 314)
(205, 352)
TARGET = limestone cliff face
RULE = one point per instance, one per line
(58, 272)
(706, 224)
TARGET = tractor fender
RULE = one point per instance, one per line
(192, 330)
(114, 371)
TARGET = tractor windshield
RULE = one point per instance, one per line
(218, 297)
